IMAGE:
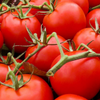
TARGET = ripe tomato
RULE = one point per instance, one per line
(93, 3)
(62, 21)
(44, 57)
(14, 31)
(91, 17)
(1, 40)
(80, 77)
(70, 97)
(4, 69)
(35, 89)
(84, 4)
(36, 12)
(87, 35)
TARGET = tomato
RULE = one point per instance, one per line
(84, 4)
(87, 35)
(1, 40)
(80, 77)
(35, 89)
(14, 31)
(91, 16)
(93, 3)
(4, 68)
(36, 12)
(70, 97)
(44, 57)
(62, 21)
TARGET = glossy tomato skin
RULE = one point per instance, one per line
(14, 31)
(80, 77)
(84, 4)
(91, 16)
(35, 89)
(93, 3)
(36, 12)
(1, 40)
(62, 21)
(87, 35)
(70, 97)
(44, 57)
(4, 68)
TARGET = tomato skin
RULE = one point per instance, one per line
(70, 97)
(35, 89)
(62, 21)
(84, 4)
(4, 68)
(91, 17)
(87, 35)
(80, 77)
(14, 31)
(44, 57)
(1, 40)
(93, 3)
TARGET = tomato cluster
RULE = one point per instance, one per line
(44, 34)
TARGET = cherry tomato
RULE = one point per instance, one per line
(86, 36)
(14, 31)
(62, 21)
(80, 77)
(70, 97)
(91, 16)
(44, 57)
(35, 89)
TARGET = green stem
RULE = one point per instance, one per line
(47, 7)
(58, 43)
(98, 6)
(30, 55)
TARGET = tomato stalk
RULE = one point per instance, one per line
(44, 6)
(64, 59)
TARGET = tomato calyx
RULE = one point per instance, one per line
(97, 29)
(16, 83)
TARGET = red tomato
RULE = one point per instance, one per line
(91, 17)
(84, 4)
(14, 31)
(4, 69)
(62, 21)
(70, 97)
(36, 12)
(35, 89)
(44, 57)
(1, 40)
(80, 77)
(93, 3)
(87, 35)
